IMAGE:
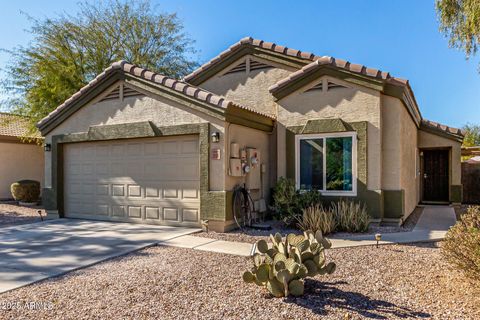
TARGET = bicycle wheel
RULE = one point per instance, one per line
(239, 209)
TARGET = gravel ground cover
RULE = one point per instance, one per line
(250, 235)
(391, 282)
(13, 214)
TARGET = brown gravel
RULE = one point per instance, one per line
(250, 235)
(391, 282)
(13, 214)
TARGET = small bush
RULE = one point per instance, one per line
(285, 200)
(316, 218)
(25, 190)
(462, 243)
(350, 216)
(308, 199)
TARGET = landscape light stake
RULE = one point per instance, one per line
(378, 237)
(40, 214)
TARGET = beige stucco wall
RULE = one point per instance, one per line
(160, 111)
(429, 140)
(351, 104)
(249, 138)
(399, 152)
(249, 89)
(19, 161)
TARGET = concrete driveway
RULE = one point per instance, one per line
(29, 253)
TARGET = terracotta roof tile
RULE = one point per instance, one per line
(339, 63)
(177, 85)
(12, 125)
(443, 128)
(256, 43)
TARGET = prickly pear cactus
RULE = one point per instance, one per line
(282, 268)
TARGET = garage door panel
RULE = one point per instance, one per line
(147, 180)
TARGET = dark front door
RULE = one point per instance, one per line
(435, 175)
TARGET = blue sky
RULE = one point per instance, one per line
(399, 36)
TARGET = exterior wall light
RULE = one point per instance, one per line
(47, 147)
(216, 137)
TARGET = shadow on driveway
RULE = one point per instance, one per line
(29, 253)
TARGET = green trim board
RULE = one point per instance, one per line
(53, 197)
(394, 203)
(216, 205)
(456, 193)
(372, 198)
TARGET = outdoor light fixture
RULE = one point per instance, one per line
(378, 237)
(216, 137)
(47, 147)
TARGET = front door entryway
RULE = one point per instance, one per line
(435, 175)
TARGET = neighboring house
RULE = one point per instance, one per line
(18, 159)
(136, 146)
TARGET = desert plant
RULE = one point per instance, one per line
(289, 203)
(25, 190)
(350, 216)
(309, 198)
(317, 218)
(285, 200)
(462, 243)
(282, 268)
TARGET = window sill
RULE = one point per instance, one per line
(332, 193)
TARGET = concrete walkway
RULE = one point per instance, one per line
(29, 253)
(432, 226)
(33, 252)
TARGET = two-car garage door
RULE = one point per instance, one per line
(152, 180)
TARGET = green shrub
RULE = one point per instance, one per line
(462, 243)
(308, 199)
(316, 218)
(289, 203)
(25, 190)
(350, 216)
(282, 268)
(286, 200)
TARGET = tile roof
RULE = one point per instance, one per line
(342, 64)
(177, 85)
(308, 56)
(12, 125)
(256, 43)
(443, 128)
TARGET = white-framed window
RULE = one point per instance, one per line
(327, 162)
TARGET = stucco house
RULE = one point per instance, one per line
(136, 146)
(19, 159)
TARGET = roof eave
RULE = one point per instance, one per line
(87, 96)
(438, 132)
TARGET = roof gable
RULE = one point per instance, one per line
(135, 77)
(355, 73)
(248, 46)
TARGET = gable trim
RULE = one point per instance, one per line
(140, 78)
(200, 76)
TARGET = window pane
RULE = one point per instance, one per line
(311, 164)
(339, 164)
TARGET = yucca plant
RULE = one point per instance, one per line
(350, 216)
(316, 218)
